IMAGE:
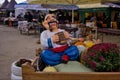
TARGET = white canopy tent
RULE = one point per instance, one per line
(30, 6)
(22, 8)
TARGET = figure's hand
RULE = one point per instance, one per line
(55, 38)
(67, 35)
(45, 24)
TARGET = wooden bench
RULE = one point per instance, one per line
(29, 73)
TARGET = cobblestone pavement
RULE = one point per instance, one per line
(14, 46)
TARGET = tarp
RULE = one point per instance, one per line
(46, 6)
(114, 5)
(30, 6)
(60, 6)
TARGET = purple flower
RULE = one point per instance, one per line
(92, 54)
(101, 58)
(101, 55)
(92, 64)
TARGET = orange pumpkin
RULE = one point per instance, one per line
(79, 42)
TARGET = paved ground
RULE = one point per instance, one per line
(111, 39)
(14, 46)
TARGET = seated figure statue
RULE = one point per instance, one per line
(54, 43)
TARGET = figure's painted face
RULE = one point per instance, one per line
(52, 22)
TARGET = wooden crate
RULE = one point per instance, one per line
(29, 73)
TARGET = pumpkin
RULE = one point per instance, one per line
(49, 69)
(88, 43)
(78, 43)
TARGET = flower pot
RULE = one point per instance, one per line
(14, 77)
(15, 69)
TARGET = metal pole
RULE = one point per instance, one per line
(72, 12)
(46, 5)
(72, 16)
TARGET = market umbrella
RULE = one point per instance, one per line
(72, 2)
(69, 2)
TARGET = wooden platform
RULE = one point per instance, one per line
(29, 73)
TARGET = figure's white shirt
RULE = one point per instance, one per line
(45, 35)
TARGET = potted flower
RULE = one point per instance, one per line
(103, 57)
(22, 61)
(16, 71)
